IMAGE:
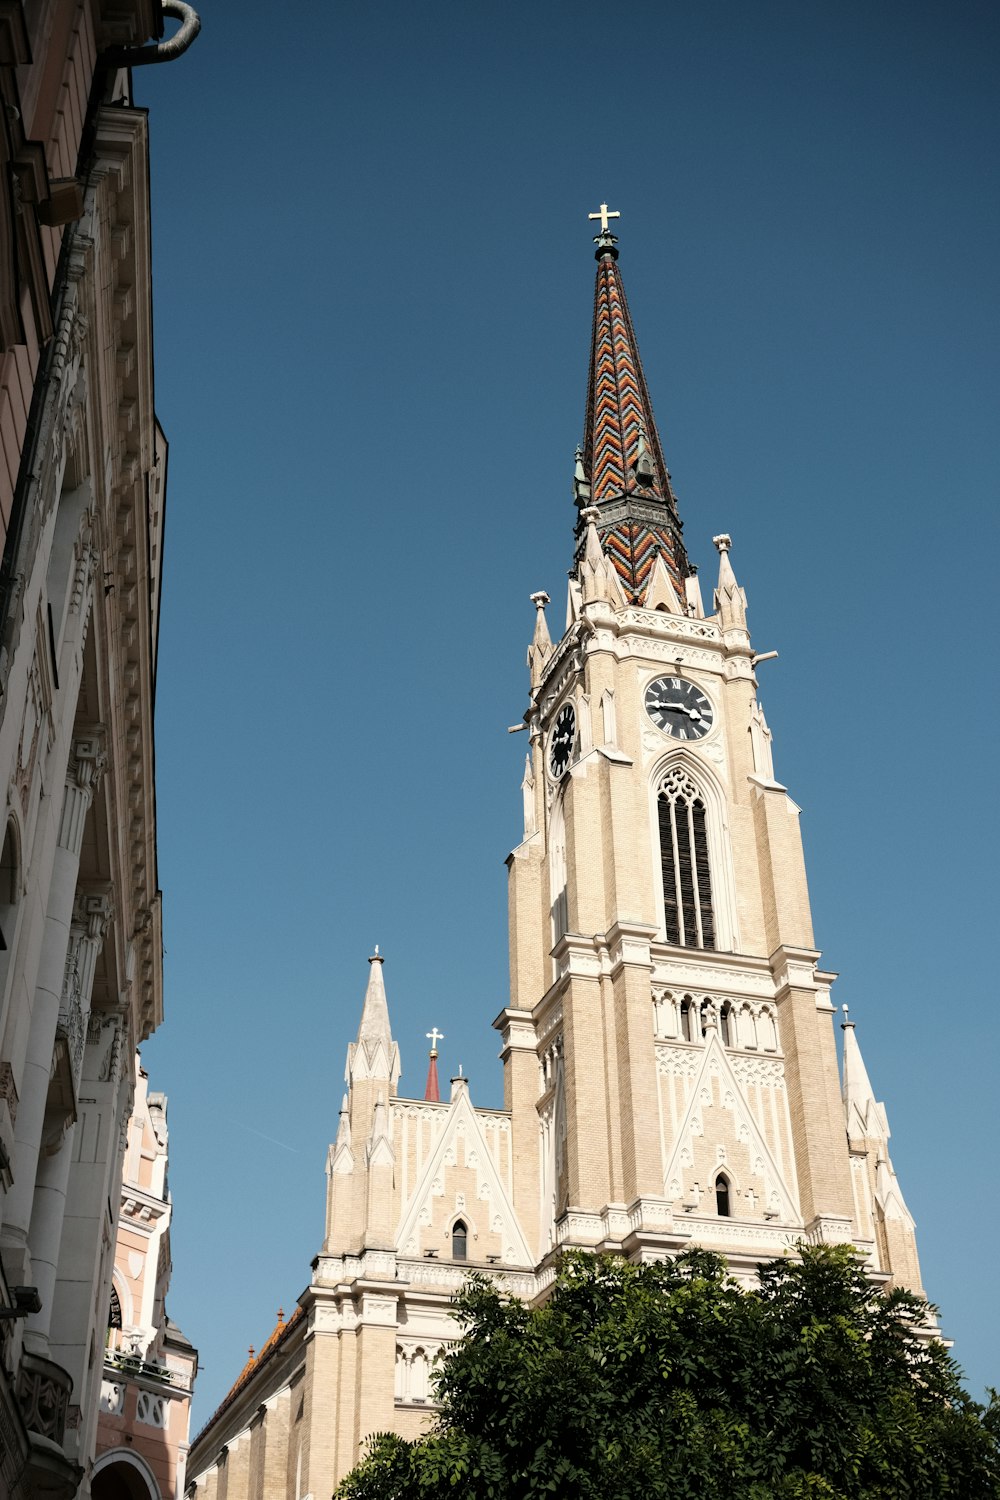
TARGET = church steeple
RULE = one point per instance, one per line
(374, 1054)
(625, 474)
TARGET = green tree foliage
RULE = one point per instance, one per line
(669, 1380)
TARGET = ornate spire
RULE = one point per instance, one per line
(624, 471)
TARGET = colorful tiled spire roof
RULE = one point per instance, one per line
(625, 471)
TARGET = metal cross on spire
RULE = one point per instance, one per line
(434, 1036)
(604, 216)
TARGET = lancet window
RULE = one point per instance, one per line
(722, 1207)
(687, 885)
(459, 1240)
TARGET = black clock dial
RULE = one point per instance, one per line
(562, 740)
(679, 708)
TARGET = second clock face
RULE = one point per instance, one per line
(679, 708)
(561, 741)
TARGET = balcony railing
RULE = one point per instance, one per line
(133, 1364)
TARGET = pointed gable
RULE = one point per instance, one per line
(747, 1159)
(461, 1144)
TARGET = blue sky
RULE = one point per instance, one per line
(373, 289)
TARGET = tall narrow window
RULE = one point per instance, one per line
(726, 1027)
(557, 871)
(722, 1196)
(459, 1241)
(687, 885)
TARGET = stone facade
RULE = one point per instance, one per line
(82, 489)
(670, 1066)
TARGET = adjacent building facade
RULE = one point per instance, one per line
(82, 489)
(670, 1067)
(149, 1366)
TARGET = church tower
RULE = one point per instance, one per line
(670, 1066)
(670, 1034)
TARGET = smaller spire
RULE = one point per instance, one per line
(889, 1194)
(374, 1054)
(528, 797)
(865, 1117)
(730, 600)
(581, 484)
(432, 1091)
(375, 1012)
(597, 577)
(340, 1157)
(541, 642)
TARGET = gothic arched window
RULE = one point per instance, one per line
(727, 1025)
(688, 1019)
(459, 1241)
(687, 885)
(722, 1196)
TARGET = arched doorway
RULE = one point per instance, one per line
(121, 1475)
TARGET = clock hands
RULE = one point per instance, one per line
(673, 695)
(678, 708)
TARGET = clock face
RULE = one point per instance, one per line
(562, 740)
(679, 708)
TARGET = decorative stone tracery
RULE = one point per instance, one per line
(746, 1025)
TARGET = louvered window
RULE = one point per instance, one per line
(687, 885)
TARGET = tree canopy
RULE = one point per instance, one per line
(671, 1380)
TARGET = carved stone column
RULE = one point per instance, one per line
(92, 914)
(87, 762)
